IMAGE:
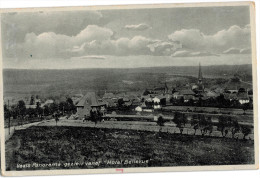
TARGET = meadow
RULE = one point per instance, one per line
(44, 145)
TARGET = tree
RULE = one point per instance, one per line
(7, 112)
(180, 121)
(195, 123)
(21, 107)
(191, 102)
(245, 107)
(235, 103)
(246, 130)
(14, 111)
(94, 116)
(172, 100)
(234, 127)
(222, 124)
(38, 109)
(220, 100)
(209, 126)
(63, 106)
(203, 124)
(32, 100)
(71, 106)
(200, 102)
(46, 110)
(181, 101)
(120, 102)
(160, 122)
(30, 112)
(54, 108)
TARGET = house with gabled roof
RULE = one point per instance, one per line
(243, 97)
(87, 103)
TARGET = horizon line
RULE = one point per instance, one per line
(121, 68)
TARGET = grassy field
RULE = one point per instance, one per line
(128, 148)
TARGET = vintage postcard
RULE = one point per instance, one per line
(134, 88)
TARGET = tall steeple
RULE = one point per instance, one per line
(165, 88)
(200, 75)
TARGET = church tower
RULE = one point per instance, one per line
(200, 78)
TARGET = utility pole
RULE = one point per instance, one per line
(9, 119)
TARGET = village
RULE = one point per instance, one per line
(191, 100)
(190, 97)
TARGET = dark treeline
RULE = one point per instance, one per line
(19, 110)
(204, 124)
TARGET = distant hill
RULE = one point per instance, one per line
(47, 83)
(208, 71)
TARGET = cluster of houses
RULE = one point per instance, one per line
(37, 102)
(158, 97)
(150, 102)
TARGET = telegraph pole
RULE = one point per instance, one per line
(9, 124)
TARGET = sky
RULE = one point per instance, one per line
(127, 38)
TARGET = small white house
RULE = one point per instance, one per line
(243, 97)
(243, 100)
(138, 109)
(157, 104)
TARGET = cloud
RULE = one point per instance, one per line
(50, 44)
(245, 51)
(203, 54)
(17, 25)
(93, 32)
(185, 53)
(90, 57)
(194, 39)
(164, 48)
(67, 23)
(237, 51)
(139, 27)
(232, 51)
(94, 40)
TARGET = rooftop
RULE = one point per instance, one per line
(90, 99)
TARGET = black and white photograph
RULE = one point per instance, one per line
(106, 89)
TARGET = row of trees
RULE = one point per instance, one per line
(200, 122)
(20, 110)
